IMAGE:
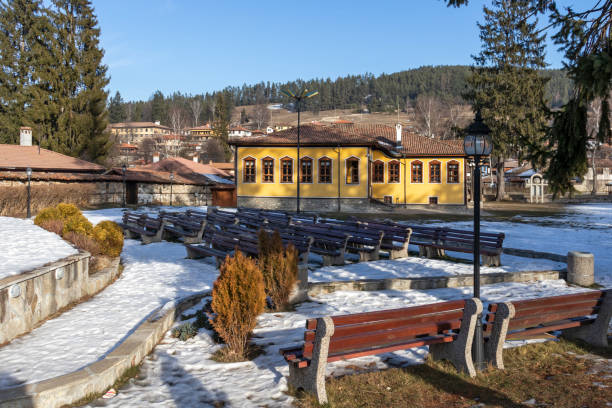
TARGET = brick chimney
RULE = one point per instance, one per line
(25, 136)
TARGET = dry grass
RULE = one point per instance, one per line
(13, 200)
(225, 355)
(546, 372)
(84, 242)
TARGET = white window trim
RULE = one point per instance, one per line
(243, 170)
(358, 169)
(458, 171)
(331, 170)
(280, 168)
(312, 172)
(273, 170)
(384, 171)
(399, 172)
(422, 167)
(429, 171)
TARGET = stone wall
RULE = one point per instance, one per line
(306, 204)
(111, 192)
(29, 298)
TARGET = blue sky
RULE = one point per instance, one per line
(202, 46)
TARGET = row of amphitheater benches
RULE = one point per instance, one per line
(447, 328)
(333, 239)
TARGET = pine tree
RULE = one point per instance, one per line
(117, 109)
(80, 81)
(222, 115)
(506, 85)
(159, 108)
(24, 37)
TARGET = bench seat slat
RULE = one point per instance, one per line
(380, 338)
(574, 305)
(541, 318)
(538, 303)
(352, 329)
(565, 324)
(340, 320)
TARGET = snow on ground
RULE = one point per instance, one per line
(586, 227)
(116, 214)
(25, 246)
(415, 267)
(181, 374)
(154, 274)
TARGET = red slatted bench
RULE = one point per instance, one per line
(446, 327)
(584, 316)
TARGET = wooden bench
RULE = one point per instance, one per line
(584, 316)
(331, 246)
(189, 229)
(148, 229)
(446, 327)
(130, 218)
(366, 242)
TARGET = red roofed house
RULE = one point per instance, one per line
(347, 166)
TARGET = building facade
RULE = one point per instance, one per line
(137, 132)
(348, 167)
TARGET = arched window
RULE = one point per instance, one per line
(352, 170)
(248, 170)
(325, 170)
(267, 165)
(434, 172)
(394, 171)
(452, 172)
(286, 170)
(378, 171)
(416, 170)
(306, 170)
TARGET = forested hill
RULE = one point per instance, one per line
(375, 93)
(384, 91)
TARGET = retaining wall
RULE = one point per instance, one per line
(28, 299)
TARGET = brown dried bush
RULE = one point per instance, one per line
(56, 226)
(13, 199)
(238, 297)
(279, 267)
(84, 242)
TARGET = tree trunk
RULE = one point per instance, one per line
(501, 182)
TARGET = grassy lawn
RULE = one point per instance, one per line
(552, 374)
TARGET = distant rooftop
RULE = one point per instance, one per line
(16, 157)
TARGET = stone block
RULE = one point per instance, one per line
(580, 268)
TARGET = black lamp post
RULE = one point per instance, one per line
(29, 174)
(477, 144)
(171, 180)
(305, 94)
(123, 171)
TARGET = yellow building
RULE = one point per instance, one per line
(348, 167)
(136, 132)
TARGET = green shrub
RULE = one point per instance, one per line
(279, 267)
(238, 297)
(184, 331)
(109, 237)
(48, 214)
(77, 223)
(68, 210)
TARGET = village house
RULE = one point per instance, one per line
(345, 166)
(137, 132)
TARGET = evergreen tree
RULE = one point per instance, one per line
(159, 108)
(24, 37)
(80, 81)
(506, 85)
(117, 109)
(221, 121)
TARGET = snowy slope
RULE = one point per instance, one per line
(154, 274)
(25, 246)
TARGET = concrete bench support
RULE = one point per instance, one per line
(495, 344)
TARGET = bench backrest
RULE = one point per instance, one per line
(370, 331)
(555, 313)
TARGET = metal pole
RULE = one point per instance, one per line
(29, 197)
(170, 192)
(124, 191)
(298, 157)
(478, 343)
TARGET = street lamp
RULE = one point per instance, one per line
(477, 144)
(171, 180)
(123, 171)
(29, 173)
(304, 94)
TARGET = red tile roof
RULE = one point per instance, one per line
(22, 157)
(377, 136)
(127, 146)
(184, 167)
